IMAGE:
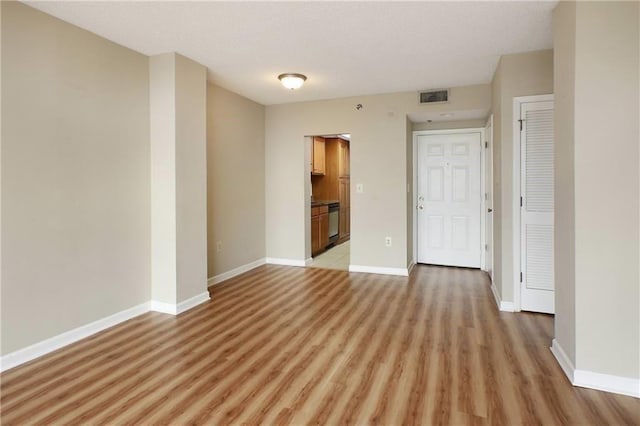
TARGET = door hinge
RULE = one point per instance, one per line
(486, 144)
(486, 247)
(486, 196)
(520, 201)
(520, 276)
(521, 120)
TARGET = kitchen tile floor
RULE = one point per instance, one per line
(334, 258)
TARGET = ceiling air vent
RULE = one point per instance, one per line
(433, 96)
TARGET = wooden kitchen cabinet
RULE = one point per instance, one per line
(319, 229)
(343, 159)
(318, 158)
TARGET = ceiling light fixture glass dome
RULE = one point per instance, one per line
(292, 80)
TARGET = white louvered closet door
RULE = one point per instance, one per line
(536, 213)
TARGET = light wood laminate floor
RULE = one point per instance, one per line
(284, 345)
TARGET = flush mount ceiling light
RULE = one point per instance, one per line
(292, 80)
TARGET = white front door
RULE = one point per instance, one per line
(448, 201)
(536, 211)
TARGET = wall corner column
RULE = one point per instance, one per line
(177, 101)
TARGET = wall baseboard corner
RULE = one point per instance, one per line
(285, 262)
(563, 360)
(403, 272)
(192, 302)
(235, 272)
(589, 379)
(502, 305)
(51, 344)
(410, 267)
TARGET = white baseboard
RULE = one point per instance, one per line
(286, 262)
(178, 308)
(192, 302)
(592, 380)
(235, 272)
(44, 347)
(165, 308)
(308, 261)
(563, 359)
(51, 344)
(607, 382)
(410, 267)
(502, 305)
(403, 272)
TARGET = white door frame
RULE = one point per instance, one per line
(488, 187)
(483, 207)
(517, 193)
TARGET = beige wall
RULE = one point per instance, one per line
(378, 161)
(496, 109)
(191, 177)
(178, 178)
(75, 177)
(522, 74)
(235, 180)
(163, 177)
(607, 211)
(409, 171)
(564, 45)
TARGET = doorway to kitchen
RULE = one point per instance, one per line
(330, 201)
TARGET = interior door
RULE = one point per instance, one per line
(488, 174)
(536, 211)
(448, 202)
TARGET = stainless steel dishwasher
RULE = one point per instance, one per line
(334, 222)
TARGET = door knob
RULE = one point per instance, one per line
(489, 210)
(421, 207)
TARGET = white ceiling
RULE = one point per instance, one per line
(344, 48)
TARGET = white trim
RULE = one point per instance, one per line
(285, 262)
(482, 184)
(563, 359)
(51, 344)
(308, 261)
(54, 343)
(192, 302)
(162, 307)
(592, 380)
(607, 382)
(404, 272)
(488, 188)
(178, 308)
(235, 272)
(410, 267)
(516, 190)
(502, 305)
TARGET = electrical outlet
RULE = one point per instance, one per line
(219, 246)
(387, 241)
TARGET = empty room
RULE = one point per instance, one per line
(320, 212)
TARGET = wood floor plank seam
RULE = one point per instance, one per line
(287, 345)
(202, 338)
